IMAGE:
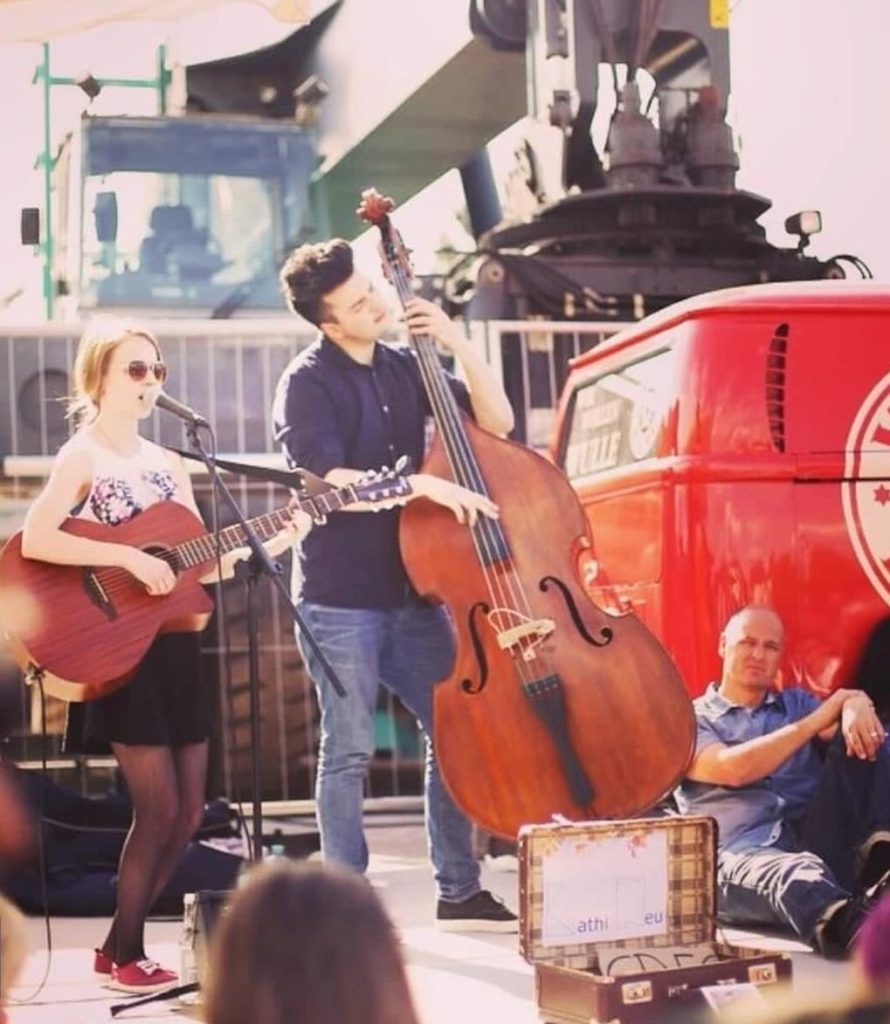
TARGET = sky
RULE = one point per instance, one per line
(810, 109)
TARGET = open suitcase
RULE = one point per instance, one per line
(619, 919)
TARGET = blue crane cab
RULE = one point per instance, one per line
(180, 215)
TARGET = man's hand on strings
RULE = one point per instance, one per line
(425, 317)
(464, 503)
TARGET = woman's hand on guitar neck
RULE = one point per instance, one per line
(464, 503)
(295, 529)
(153, 573)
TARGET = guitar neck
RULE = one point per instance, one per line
(204, 548)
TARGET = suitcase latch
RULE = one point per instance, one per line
(762, 974)
(636, 992)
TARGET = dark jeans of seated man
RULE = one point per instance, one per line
(813, 864)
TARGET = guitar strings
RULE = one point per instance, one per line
(188, 554)
(201, 550)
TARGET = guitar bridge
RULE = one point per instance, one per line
(97, 594)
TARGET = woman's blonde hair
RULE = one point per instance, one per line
(306, 944)
(100, 338)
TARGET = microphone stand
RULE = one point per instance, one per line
(249, 572)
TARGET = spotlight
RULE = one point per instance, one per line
(804, 224)
(89, 85)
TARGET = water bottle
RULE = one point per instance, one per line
(188, 963)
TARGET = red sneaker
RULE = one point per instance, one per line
(101, 963)
(141, 976)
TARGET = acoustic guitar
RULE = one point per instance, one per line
(93, 625)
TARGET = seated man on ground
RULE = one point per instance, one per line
(800, 789)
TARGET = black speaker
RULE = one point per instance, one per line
(32, 401)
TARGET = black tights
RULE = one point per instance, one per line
(166, 788)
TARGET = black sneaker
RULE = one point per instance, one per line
(480, 913)
(836, 931)
(836, 928)
(873, 859)
(874, 893)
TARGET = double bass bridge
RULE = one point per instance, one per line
(527, 633)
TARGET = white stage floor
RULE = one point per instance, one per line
(471, 978)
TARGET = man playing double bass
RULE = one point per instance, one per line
(346, 404)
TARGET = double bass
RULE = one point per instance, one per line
(552, 707)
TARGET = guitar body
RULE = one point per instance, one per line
(94, 625)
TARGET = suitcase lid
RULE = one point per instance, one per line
(643, 882)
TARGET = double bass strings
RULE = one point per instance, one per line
(505, 589)
(507, 593)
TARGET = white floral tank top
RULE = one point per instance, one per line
(124, 485)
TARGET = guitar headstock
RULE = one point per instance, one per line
(382, 486)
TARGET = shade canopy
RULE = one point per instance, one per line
(35, 21)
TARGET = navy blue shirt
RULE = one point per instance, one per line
(332, 412)
(753, 814)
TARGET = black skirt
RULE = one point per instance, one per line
(166, 702)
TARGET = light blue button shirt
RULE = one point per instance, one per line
(752, 815)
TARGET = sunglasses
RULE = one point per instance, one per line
(138, 370)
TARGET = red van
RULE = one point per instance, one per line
(735, 448)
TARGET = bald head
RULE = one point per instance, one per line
(751, 649)
(761, 614)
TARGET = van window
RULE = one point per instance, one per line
(614, 419)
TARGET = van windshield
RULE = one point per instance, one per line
(190, 212)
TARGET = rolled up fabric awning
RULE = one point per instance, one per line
(35, 21)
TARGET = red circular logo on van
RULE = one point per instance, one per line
(866, 486)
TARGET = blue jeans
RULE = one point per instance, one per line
(407, 649)
(812, 864)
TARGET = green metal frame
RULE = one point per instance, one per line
(45, 160)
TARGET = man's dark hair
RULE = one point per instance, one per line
(311, 272)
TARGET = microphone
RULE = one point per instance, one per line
(164, 401)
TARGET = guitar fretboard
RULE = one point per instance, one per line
(204, 548)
